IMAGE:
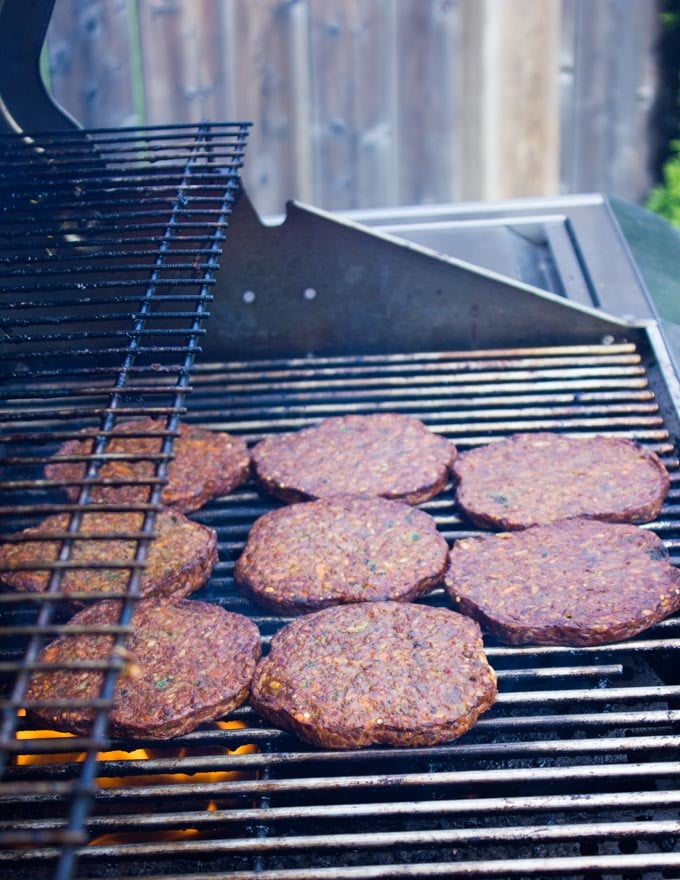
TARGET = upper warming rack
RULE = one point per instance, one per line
(109, 241)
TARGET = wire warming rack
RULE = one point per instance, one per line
(109, 242)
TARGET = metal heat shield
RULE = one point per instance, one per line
(321, 284)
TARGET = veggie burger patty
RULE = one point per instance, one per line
(189, 662)
(206, 465)
(532, 479)
(575, 582)
(386, 454)
(375, 672)
(179, 560)
(307, 556)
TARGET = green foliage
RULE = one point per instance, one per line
(664, 199)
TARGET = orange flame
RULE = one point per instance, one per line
(164, 751)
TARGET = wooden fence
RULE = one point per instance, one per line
(372, 103)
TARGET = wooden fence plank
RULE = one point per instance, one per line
(519, 98)
(268, 76)
(332, 92)
(374, 125)
(470, 184)
(567, 92)
(609, 101)
(429, 126)
(88, 52)
(158, 32)
(300, 93)
(351, 130)
(182, 59)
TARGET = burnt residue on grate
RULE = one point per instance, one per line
(573, 772)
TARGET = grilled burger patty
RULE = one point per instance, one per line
(179, 560)
(190, 662)
(530, 479)
(206, 465)
(308, 556)
(375, 672)
(387, 454)
(574, 582)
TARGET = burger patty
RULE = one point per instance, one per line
(531, 479)
(206, 465)
(179, 560)
(386, 454)
(574, 582)
(375, 672)
(189, 663)
(308, 556)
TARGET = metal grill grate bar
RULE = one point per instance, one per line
(575, 733)
(498, 869)
(490, 806)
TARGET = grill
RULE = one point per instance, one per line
(114, 306)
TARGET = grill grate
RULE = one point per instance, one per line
(573, 772)
(109, 241)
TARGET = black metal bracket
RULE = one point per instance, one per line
(25, 104)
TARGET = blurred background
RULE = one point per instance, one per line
(377, 103)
